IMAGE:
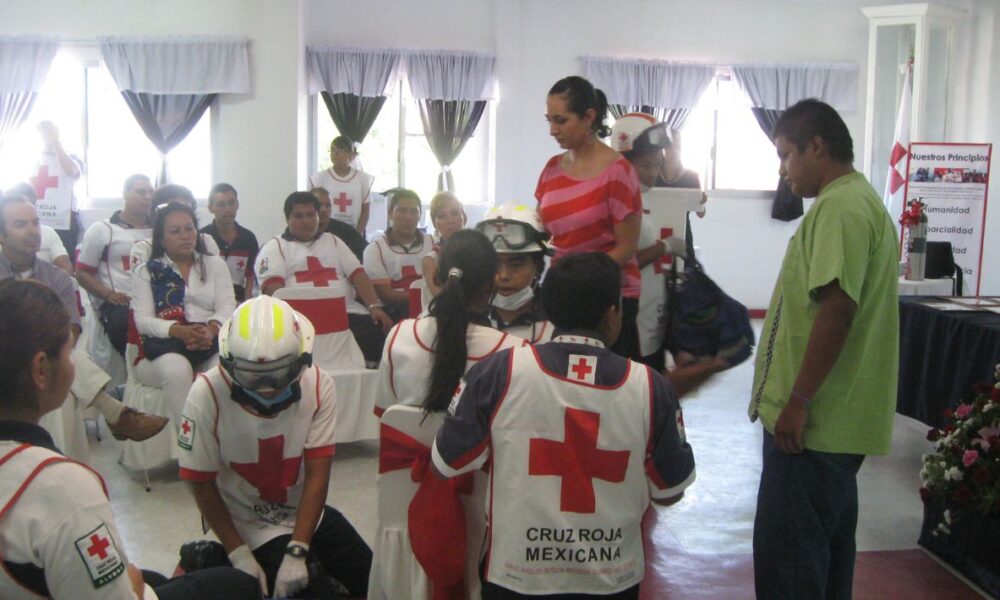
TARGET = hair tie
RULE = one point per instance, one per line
(455, 272)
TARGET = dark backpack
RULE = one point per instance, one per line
(703, 320)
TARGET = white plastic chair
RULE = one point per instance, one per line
(160, 449)
(326, 308)
(395, 572)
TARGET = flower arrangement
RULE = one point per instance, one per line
(962, 473)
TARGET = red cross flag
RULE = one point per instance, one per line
(581, 368)
(894, 188)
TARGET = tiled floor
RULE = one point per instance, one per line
(701, 546)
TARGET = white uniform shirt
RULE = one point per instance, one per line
(61, 523)
(325, 262)
(394, 265)
(651, 320)
(256, 462)
(348, 194)
(106, 253)
(52, 246)
(204, 301)
(405, 370)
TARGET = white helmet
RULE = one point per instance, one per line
(514, 228)
(639, 132)
(264, 347)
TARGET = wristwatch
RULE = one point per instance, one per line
(296, 551)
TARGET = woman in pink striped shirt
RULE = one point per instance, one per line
(588, 196)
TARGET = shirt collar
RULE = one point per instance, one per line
(584, 337)
(287, 235)
(416, 244)
(27, 433)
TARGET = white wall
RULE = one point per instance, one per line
(261, 140)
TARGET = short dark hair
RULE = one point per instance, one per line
(812, 118)
(579, 288)
(404, 194)
(35, 320)
(6, 201)
(23, 189)
(581, 95)
(172, 192)
(344, 143)
(160, 223)
(222, 188)
(296, 198)
(131, 180)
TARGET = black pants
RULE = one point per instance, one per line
(338, 548)
(71, 236)
(207, 584)
(628, 341)
(495, 592)
(368, 335)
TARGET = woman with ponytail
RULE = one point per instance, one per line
(588, 196)
(425, 358)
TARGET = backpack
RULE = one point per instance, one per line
(703, 320)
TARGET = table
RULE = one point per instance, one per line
(941, 354)
(926, 287)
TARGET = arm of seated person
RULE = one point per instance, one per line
(429, 267)
(390, 295)
(213, 508)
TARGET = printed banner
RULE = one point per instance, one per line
(953, 182)
(54, 190)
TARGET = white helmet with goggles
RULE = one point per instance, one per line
(514, 228)
(639, 132)
(264, 348)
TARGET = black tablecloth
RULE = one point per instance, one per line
(941, 354)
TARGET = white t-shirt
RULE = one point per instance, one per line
(652, 317)
(325, 262)
(391, 264)
(52, 246)
(62, 524)
(106, 253)
(256, 462)
(204, 301)
(405, 370)
(348, 194)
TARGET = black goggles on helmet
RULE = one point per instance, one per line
(273, 375)
(515, 235)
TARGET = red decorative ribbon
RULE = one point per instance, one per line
(436, 519)
(912, 214)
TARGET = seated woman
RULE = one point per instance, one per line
(180, 299)
(518, 236)
(447, 216)
(393, 260)
(58, 534)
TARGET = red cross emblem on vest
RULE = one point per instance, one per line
(342, 202)
(408, 274)
(578, 461)
(43, 181)
(98, 546)
(272, 474)
(316, 273)
(581, 368)
(666, 259)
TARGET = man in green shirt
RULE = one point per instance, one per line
(825, 378)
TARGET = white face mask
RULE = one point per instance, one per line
(515, 301)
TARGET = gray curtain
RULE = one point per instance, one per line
(448, 125)
(786, 205)
(674, 117)
(14, 109)
(352, 114)
(166, 119)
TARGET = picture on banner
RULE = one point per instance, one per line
(952, 180)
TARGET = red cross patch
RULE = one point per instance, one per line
(582, 368)
(185, 436)
(99, 553)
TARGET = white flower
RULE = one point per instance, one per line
(953, 474)
(947, 516)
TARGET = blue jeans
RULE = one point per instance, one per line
(803, 534)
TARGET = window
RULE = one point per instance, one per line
(96, 125)
(722, 142)
(397, 154)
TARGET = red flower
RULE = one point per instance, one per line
(962, 495)
(994, 442)
(925, 495)
(948, 429)
(982, 388)
(995, 394)
(933, 435)
(948, 414)
(981, 476)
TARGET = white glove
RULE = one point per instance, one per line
(675, 246)
(242, 558)
(292, 575)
